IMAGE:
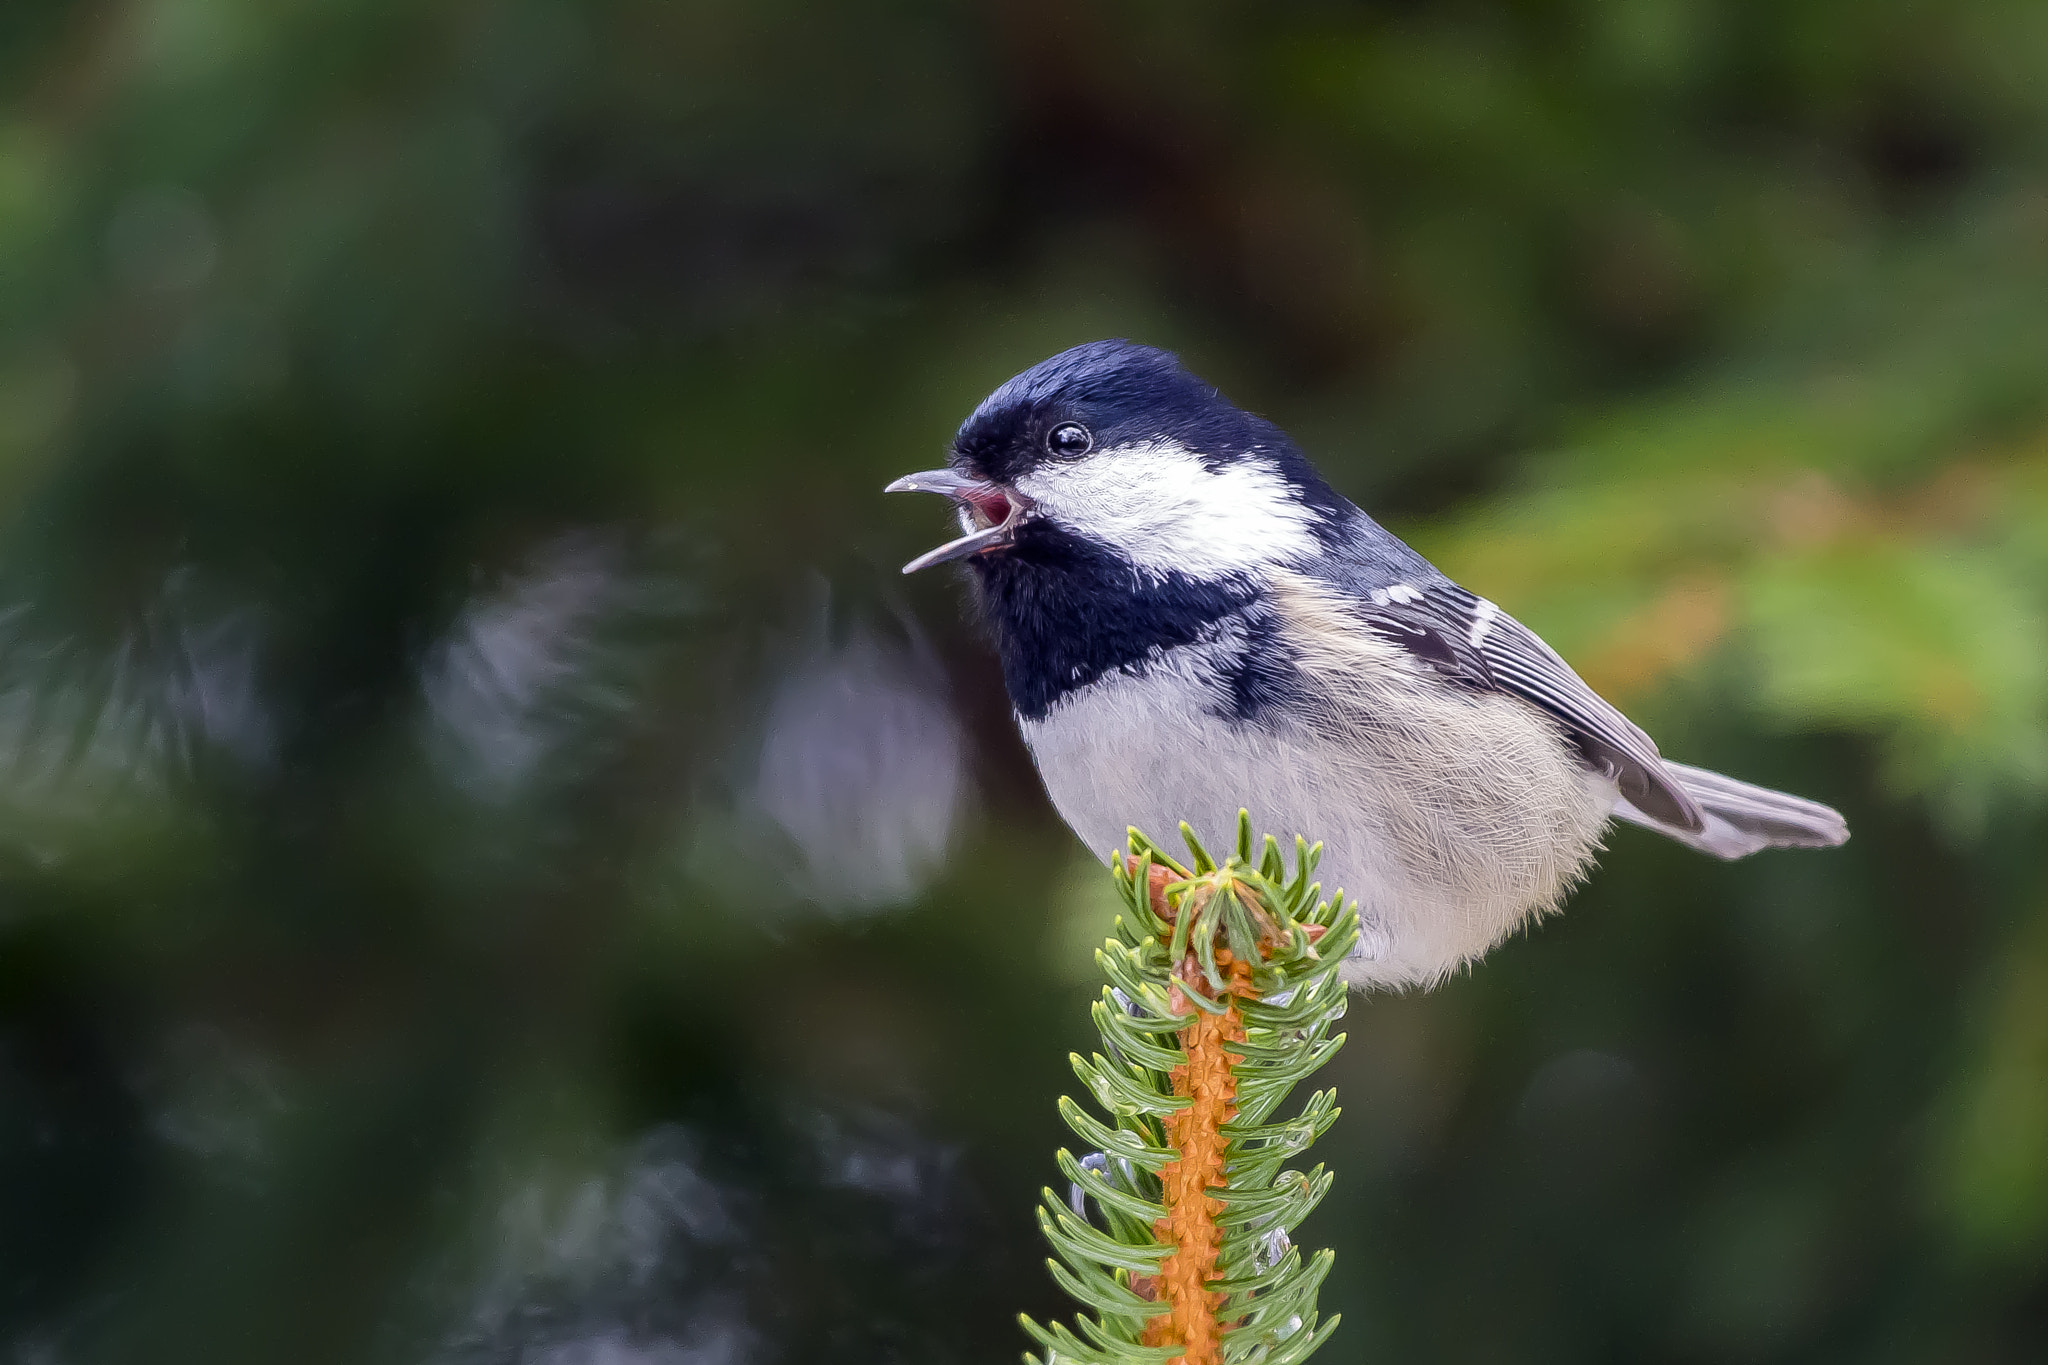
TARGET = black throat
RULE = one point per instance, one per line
(1067, 612)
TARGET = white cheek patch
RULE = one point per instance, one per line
(1165, 510)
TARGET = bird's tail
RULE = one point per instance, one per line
(1742, 819)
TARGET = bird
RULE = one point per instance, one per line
(1191, 621)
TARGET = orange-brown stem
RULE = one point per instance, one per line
(1196, 1132)
(1189, 1225)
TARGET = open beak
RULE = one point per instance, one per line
(989, 513)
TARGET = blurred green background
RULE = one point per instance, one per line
(495, 865)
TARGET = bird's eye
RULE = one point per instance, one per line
(1069, 439)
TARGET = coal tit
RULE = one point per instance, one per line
(1190, 620)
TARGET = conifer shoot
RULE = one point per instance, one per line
(1222, 989)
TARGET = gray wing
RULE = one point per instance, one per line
(1474, 641)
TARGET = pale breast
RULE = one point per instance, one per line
(1452, 815)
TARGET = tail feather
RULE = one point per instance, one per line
(1741, 819)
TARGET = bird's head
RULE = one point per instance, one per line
(1114, 450)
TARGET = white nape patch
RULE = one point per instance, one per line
(1482, 622)
(1166, 511)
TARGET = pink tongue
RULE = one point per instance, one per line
(992, 505)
